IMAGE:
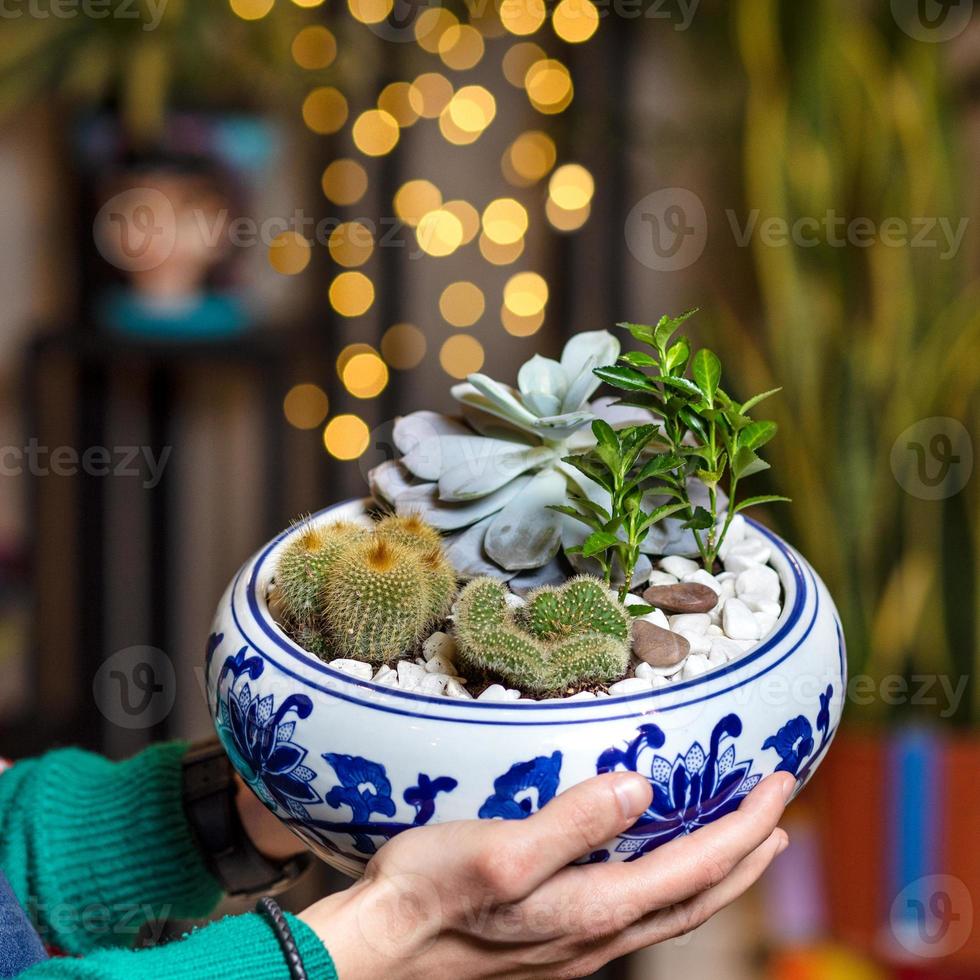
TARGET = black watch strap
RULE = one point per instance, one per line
(209, 790)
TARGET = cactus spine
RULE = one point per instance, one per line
(571, 636)
(346, 590)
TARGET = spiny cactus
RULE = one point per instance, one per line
(562, 638)
(347, 590)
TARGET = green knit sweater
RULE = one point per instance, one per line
(95, 849)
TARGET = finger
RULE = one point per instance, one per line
(689, 865)
(686, 916)
(528, 852)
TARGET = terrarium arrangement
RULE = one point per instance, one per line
(547, 545)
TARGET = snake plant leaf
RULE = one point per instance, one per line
(411, 429)
(448, 516)
(525, 533)
(479, 476)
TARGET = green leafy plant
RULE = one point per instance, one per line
(702, 432)
(562, 638)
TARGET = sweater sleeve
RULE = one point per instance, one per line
(238, 946)
(94, 849)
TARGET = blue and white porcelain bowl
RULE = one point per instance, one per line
(348, 764)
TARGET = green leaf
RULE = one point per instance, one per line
(640, 332)
(638, 359)
(710, 478)
(756, 434)
(599, 541)
(701, 520)
(592, 468)
(694, 422)
(659, 513)
(755, 399)
(706, 369)
(623, 377)
(587, 519)
(677, 357)
(662, 463)
(633, 441)
(639, 609)
(769, 498)
(584, 505)
(747, 463)
(667, 326)
(680, 384)
(605, 434)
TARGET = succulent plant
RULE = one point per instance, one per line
(371, 594)
(562, 638)
(488, 478)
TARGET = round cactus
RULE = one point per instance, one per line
(538, 650)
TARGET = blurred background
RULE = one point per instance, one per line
(239, 237)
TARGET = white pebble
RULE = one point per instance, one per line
(726, 648)
(644, 670)
(759, 603)
(657, 577)
(766, 623)
(716, 658)
(714, 630)
(701, 577)
(439, 644)
(512, 695)
(386, 676)
(440, 664)
(355, 668)
(432, 684)
(658, 617)
(495, 692)
(752, 551)
(699, 642)
(582, 696)
(691, 622)
(630, 685)
(735, 535)
(759, 580)
(409, 675)
(514, 601)
(739, 622)
(456, 690)
(676, 565)
(715, 613)
(694, 665)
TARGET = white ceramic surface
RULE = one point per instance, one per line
(348, 763)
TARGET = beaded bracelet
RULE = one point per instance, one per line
(269, 908)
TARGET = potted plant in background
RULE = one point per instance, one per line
(502, 580)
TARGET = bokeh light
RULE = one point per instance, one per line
(461, 47)
(522, 16)
(289, 253)
(325, 110)
(375, 132)
(430, 25)
(251, 9)
(344, 182)
(472, 108)
(365, 375)
(575, 21)
(526, 293)
(346, 437)
(571, 187)
(416, 198)
(403, 346)
(504, 221)
(518, 59)
(521, 326)
(430, 93)
(562, 220)
(501, 254)
(309, 3)
(468, 216)
(439, 233)
(461, 355)
(462, 304)
(351, 294)
(394, 99)
(370, 11)
(348, 352)
(314, 47)
(529, 158)
(305, 406)
(549, 86)
(351, 244)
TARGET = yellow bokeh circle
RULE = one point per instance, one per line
(346, 436)
(365, 375)
(314, 47)
(462, 304)
(549, 86)
(351, 244)
(415, 199)
(305, 406)
(325, 110)
(439, 233)
(526, 293)
(522, 16)
(403, 346)
(571, 187)
(461, 355)
(351, 294)
(575, 21)
(289, 253)
(344, 182)
(505, 221)
(375, 132)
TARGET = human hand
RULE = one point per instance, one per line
(499, 899)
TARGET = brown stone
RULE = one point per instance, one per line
(685, 597)
(658, 647)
